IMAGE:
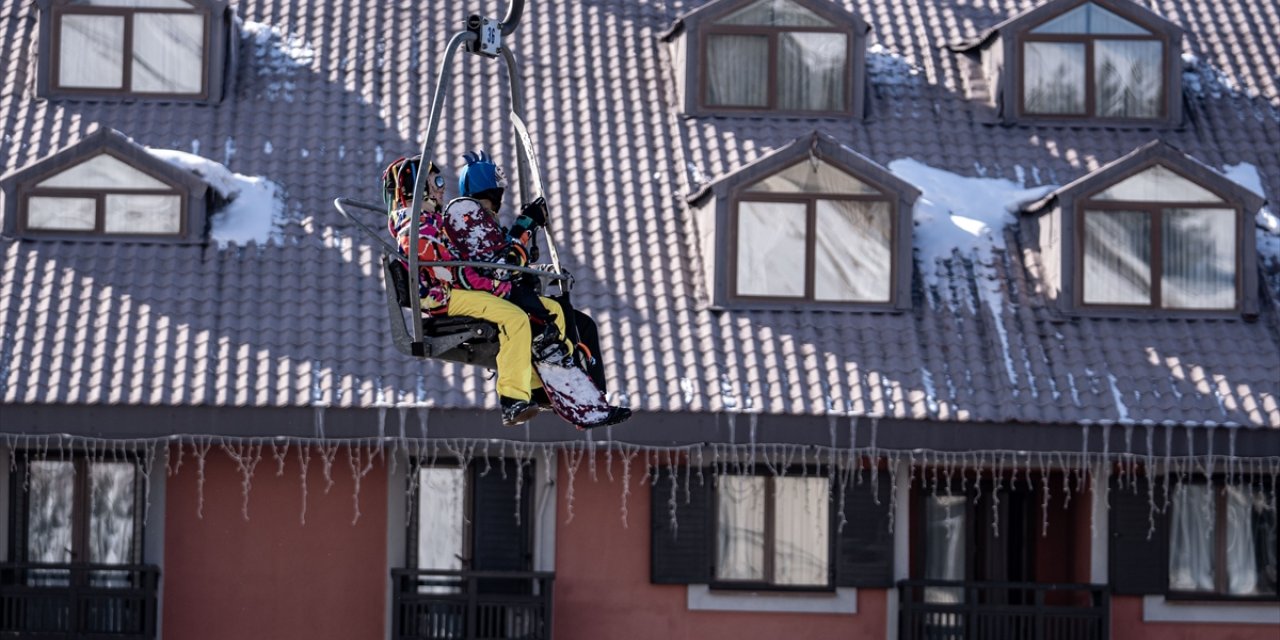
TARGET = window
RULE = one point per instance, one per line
(772, 530)
(1222, 540)
(137, 47)
(777, 55)
(814, 232)
(103, 195)
(472, 519)
(1091, 63)
(1157, 239)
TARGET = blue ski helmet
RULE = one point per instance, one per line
(480, 174)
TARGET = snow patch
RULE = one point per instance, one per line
(254, 210)
(887, 67)
(277, 56)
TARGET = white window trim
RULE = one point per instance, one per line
(1156, 608)
(700, 597)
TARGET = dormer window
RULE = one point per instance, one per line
(1090, 62)
(171, 49)
(106, 186)
(813, 224)
(1112, 62)
(795, 57)
(1153, 232)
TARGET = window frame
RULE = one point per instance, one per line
(810, 200)
(772, 34)
(770, 537)
(60, 10)
(1090, 81)
(29, 189)
(1219, 594)
(1155, 211)
(19, 534)
(471, 472)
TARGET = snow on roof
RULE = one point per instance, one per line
(888, 68)
(278, 55)
(255, 208)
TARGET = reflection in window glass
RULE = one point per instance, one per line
(112, 498)
(804, 177)
(1117, 257)
(168, 53)
(91, 52)
(800, 524)
(441, 513)
(854, 258)
(143, 214)
(103, 171)
(61, 214)
(1128, 78)
(740, 528)
(1157, 184)
(771, 249)
(737, 71)
(1053, 80)
(1199, 252)
(811, 71)
(775, 13)
(51, 486)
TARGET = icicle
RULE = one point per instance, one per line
(591, 455)
(752, 420)
(177, 463)
(199, 449)
(627, 456)
(1084, 456)
(1231, 450)
(146, 464)
(246, 456)
(733, 428)
(304, 459)
(894, 460)
(574, 458)
(998, 477)
(524, 458)
(671, 499)
(279, 454)
(977, 475)
(688, 478)
(360, 467)
(1208, 453)
(1030, 487)
(1044, 503)
(327, 454)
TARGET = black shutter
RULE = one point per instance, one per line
(864, 546)
(682, 553)
(1138, 562)
(500, 540)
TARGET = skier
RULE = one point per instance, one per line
(439, 294)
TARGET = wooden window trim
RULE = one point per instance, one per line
(55, 67)
(705, 34)
(770, 539)
(1156, 212)
(1090, 112)
(1219, 594)
(810, 201)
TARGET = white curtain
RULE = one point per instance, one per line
(1157, 184)
(1090, 18)
(737, 70)
(854, 256)
(1053, 80)
(771, 249)
(944, 556)
(740, 528)
(103, 171)
(801, 527)
(49, 500)
(91, 52)
(111, 512)
(168, 53)
(1192, 532)
(1117, 257)
(1199, 252)
(137, 213)
(441, 517)
(62, 214)
(811, 71)
(1128, 78)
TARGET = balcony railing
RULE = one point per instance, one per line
(947, 610)
(471, 605)
(78, 601)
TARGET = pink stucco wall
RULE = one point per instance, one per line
(271, 576)
(1126, 622)
(602, 579)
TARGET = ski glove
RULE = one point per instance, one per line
(536, 212)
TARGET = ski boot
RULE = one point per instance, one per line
(516, 412)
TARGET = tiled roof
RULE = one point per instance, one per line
(327, 93)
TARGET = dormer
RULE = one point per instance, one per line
(1153, 233)
(106, 187)
(797, 58)
(171, 50)
(813, 225)
(1082, 62)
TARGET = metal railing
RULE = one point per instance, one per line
(953, 610)
(78, 601)
(471, 605)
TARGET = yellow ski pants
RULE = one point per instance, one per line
(516, 376)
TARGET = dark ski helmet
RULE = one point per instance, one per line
(481, 175)
(399, 177)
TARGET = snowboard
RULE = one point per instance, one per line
(576, 399)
